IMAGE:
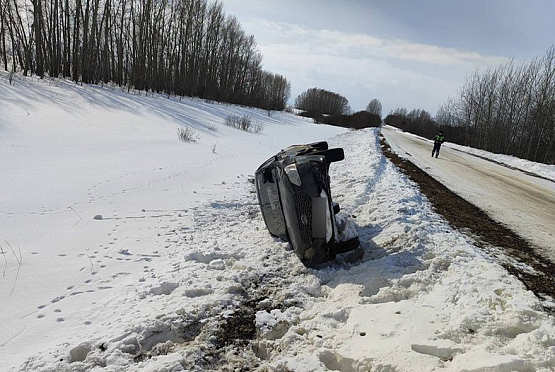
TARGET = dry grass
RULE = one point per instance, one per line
(244, 123)
(186, 134)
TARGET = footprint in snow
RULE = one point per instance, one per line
(198, 292)
(163, 289)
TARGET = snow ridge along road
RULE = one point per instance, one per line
(524, 203)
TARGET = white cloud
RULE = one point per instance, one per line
(339, 43)
(359, 79)
(362, 67)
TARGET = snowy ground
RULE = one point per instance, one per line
(180, 267)
(524, 203)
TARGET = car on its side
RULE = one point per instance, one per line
(293, 189)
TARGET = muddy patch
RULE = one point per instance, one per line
(237, 328)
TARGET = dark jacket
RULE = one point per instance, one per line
(439, 139)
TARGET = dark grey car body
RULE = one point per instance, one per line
(293, 189)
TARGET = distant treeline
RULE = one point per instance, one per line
(321, 101)
(417, 121)
(184, 47)
(507, 110)
(331, 108)
(358, 120)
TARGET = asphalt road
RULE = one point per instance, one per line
(524, 203)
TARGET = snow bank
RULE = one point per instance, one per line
(540, 169)
(423, 297)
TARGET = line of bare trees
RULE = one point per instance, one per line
(320, 101)
(416, 121)
(184, 47)
(507, 110)
(331, 108)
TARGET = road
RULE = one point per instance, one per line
(524, 203)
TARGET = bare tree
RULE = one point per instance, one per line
(320, 101)
(509, 110)
(3, 36)
(375, 107)
(186, 47)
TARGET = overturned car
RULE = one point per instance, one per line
(293, 189)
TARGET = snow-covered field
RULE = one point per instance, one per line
(180, 266)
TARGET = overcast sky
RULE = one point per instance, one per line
(411, 54)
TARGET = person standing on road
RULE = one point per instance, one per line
(438, 140)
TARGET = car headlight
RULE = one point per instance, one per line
(293, 174)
